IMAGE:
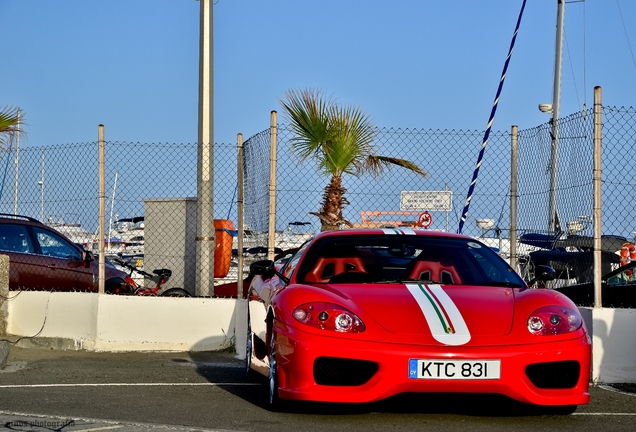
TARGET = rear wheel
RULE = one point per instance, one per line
(175, 292)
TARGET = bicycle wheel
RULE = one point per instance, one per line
(175, 292)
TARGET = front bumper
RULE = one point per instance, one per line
(387, 369)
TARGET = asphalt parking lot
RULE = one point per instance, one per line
(43, 389)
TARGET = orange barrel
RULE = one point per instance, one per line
(223, 249)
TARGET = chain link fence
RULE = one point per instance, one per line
(150, 207)
(151, 194)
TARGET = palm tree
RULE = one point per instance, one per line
(10, 123)
(340, 140)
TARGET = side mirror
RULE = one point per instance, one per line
(87, 256)
(543, 273)
(263, 268)
(266, 269)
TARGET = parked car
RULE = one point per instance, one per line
(362, 315)
(618, 289)
(41, 258)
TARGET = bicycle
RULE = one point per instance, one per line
(160, 277)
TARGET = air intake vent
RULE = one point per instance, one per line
(343, 372)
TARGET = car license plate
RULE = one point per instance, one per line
(454, 369)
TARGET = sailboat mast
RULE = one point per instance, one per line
(112, 206)
(556, 102)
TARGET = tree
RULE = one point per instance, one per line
(10, 123)
(340, 140)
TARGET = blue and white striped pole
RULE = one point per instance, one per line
(471, 189)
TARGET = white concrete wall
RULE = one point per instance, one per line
(53, 315)
(129, 323)
(613, 345)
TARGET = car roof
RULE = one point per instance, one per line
(8, 217)
(26, 220)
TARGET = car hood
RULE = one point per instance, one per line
(452, 314)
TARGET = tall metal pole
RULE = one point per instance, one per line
(102, 210)
(598, 125)
(556, 106)
(206, 238)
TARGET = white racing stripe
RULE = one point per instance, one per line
(444, 319)
(100, 428)
(398, 231)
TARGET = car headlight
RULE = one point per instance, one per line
(554, 320)
(328, 316)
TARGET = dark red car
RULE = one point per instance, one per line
(41, 258)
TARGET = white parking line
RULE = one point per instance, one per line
(127, 385)
(605, 414)
(99, 428)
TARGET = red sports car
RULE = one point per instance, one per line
(361, 315)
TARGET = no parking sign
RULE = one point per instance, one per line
(424, 220)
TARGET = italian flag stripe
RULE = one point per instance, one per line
(439, 309)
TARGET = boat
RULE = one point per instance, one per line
(72, 231)
(131, 231)
(294, 236)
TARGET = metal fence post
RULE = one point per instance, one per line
(240, 210)
(102, 210)
(598, 125)
(271, 238)
(513, 196)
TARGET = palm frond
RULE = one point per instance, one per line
(10, 123)
(375, 165)
(10, 120)
(307, 112)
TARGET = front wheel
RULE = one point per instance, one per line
(175, 292)
(117, 286)
(562, 410)
(274, 400)
(249, 373)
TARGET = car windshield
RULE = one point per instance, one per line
(405, 258)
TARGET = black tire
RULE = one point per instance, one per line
(274, 401)
(117, 286)
(249, 347)
(175, 292)
(562, 410)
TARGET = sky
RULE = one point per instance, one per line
(133, 65)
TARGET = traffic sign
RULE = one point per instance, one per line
(425, 220)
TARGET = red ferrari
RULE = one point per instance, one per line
(361, 315)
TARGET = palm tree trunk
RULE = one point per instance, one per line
(333, 202)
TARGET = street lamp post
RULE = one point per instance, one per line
(556, 101)
(205, 237)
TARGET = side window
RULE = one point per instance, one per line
(622, 278)
(293, 261)
(15, 238)
(53, 245)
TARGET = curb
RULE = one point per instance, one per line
(615, 390)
